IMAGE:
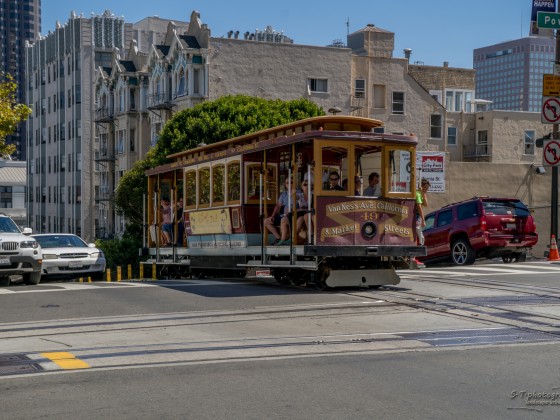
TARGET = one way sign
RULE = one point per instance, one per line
(550, 110)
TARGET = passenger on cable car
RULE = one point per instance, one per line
(166, 224)
(333, 182)
(180, 224)
(358, 184)
(302, 230)
(374, 188)
(279, 216)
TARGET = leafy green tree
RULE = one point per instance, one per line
(208, 122)
(122, 252)
(11, 112)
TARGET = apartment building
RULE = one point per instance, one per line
(20, 22)
(59, 72)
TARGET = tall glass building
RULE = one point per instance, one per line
(510, 74)
(20, 21)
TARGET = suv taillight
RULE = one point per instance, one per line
(483, 222)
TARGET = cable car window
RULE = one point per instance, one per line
(190, 189)
(334, 169)
(400, 170)
(253, 171)
(369, 162)
(233, 184)
(218, 185)
(204, 187)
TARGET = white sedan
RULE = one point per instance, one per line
(67, 255)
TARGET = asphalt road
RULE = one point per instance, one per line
(477, 342)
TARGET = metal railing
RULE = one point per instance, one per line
(477, 150)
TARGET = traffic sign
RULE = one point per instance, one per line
(551, 85)
(548, 20)
(551, 153)
(550, 110)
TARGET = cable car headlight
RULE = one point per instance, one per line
(369, 230)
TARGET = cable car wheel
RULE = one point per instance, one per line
(321, 278)
(282, 277)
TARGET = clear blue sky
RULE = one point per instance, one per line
(436, 30)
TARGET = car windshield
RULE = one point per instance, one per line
(60, 241)
(7, 225)
(506, 208)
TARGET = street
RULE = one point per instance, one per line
(472, 342)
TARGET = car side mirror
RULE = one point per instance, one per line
(27, 231)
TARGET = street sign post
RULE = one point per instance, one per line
(548, 20)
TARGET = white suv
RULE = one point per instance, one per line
(19, 254)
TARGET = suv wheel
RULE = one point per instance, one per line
(515, 257)
(462, 252)
(32, 278)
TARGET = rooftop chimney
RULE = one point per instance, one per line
(407, 52)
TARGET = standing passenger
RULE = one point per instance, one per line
(421, 202)
(166, 225)
(180, 224)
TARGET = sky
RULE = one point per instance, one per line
(435, 30)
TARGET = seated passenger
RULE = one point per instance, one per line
(374, 188)
(333, 182)
(280, 217)
(303, 218)
(358, 185)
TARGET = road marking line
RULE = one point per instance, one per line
(66, 360)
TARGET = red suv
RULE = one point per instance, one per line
(479, 227)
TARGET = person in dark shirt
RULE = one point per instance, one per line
(333, 182)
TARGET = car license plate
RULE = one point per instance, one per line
(511, 226)
(5, 261)
(75, 264)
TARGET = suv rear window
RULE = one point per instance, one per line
(509, 208)
(467, 210)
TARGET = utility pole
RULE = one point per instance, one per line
(554, 183)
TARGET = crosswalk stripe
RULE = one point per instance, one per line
(539, 266)
(474, 270)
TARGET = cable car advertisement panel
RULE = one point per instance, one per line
(363, 221)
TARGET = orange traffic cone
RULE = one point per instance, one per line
(553, 253)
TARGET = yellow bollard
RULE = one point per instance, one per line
(154, 276)
(119, 273)
(89, 279)
(141, 271)
(109, 275)
(81, 279)
(129, 271)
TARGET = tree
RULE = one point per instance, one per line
(208, 122)
(11, 112)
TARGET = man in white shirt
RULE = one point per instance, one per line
(374, 189)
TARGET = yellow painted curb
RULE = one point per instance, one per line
(66, 360)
